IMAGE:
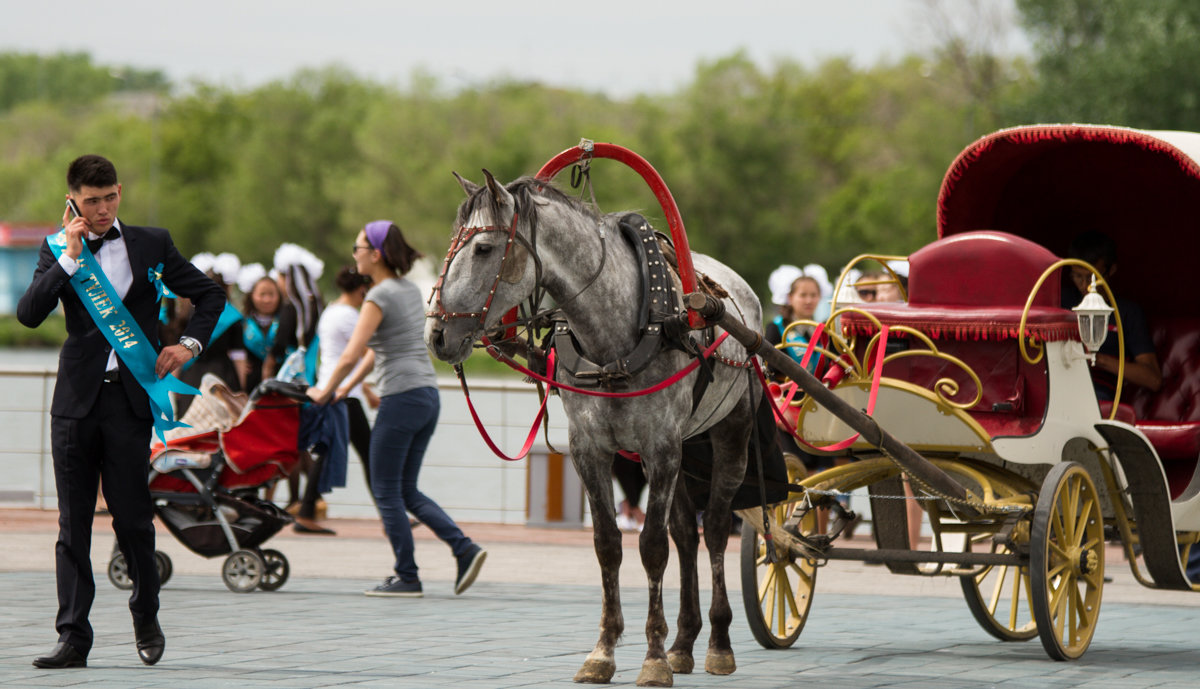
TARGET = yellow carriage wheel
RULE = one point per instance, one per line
(1066, 561)
(999, 597)
(777, 595)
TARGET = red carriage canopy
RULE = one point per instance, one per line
(1047, 183)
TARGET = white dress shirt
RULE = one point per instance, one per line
(113, 258)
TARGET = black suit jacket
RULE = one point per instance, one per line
(84, 355)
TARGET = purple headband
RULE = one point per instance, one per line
(377, 231)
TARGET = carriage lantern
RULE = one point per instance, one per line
(1092, 314)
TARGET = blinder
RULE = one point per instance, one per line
(512, 269)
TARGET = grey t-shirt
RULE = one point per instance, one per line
(401, 359)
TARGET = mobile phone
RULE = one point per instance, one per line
(74, 208)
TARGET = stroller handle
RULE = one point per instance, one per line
(294, 391)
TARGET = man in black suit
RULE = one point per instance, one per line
(101, 415)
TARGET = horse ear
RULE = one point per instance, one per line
(467, 185)
(498, 191)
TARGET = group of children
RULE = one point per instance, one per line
(277, 333)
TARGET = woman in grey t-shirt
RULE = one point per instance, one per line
(389, 333)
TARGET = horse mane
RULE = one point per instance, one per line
(523, 190)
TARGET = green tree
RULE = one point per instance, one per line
(1121, 62)
(67, 79)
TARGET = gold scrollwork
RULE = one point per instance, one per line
(843, 351)
(1112, 301)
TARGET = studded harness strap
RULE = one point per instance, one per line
(660, 301)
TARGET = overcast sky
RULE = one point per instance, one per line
(617, 46)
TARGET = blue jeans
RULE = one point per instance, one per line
(403, 427)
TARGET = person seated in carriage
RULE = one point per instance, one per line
(1141, 361)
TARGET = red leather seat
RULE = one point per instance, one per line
(1170, 418)
(967, 292)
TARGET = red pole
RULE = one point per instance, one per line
(683, 254)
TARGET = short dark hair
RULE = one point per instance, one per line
(91, 171)
(348, 279)
(1093, 246)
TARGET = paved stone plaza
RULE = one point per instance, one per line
(532, 617)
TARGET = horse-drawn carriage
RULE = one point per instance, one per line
(986, 378)
(980, 375)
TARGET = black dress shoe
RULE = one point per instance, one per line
(63, 655)
(150, 640)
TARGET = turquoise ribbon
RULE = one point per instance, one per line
(155, 276)
(229, 318)
(256, 342)
(124, 334)
(797, 352)
(310, 360)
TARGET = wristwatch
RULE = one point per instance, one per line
(192, 344)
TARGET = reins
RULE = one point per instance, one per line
(502, 357)
(875, 377)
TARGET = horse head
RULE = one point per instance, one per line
(486, 271)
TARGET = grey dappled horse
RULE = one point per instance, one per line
(563, 235)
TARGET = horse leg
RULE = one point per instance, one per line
(687, 543)
(595, 471)
(661, 465)
(729, 440)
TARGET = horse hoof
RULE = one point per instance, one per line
(681, 663)
(719, 663)
(655, 673)
(596, 671)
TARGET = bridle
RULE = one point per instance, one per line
(507, 273)
(512, 269)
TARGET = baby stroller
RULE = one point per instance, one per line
(205, 480)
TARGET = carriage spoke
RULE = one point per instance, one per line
(1060, 566)
(1056, 551)
(1081, 609)
(1081, 520)
(785, 605)
(1057, 527)
(764, 586)
(1056, 611)
(803, 577)
(997, 588)
(1016, 601)
(1070, 510)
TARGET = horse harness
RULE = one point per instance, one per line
(662, 321)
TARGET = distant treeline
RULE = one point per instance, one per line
(789, 163)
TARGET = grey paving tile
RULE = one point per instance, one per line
(322, 634)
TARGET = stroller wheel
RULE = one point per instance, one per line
(118, 572)
(165, 568)
(275, 573)
(242, 571)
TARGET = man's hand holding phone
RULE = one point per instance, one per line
(76, 226)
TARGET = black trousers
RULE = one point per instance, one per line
(360, 436)
(112, 443)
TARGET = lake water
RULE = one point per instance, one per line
(26, 358)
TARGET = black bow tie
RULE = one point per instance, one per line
(93, 245)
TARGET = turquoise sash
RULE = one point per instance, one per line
(311, 360)
(229, 318)
(256, 341)
(124, 335)
(797, 352)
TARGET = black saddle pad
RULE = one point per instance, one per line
(698, 464)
